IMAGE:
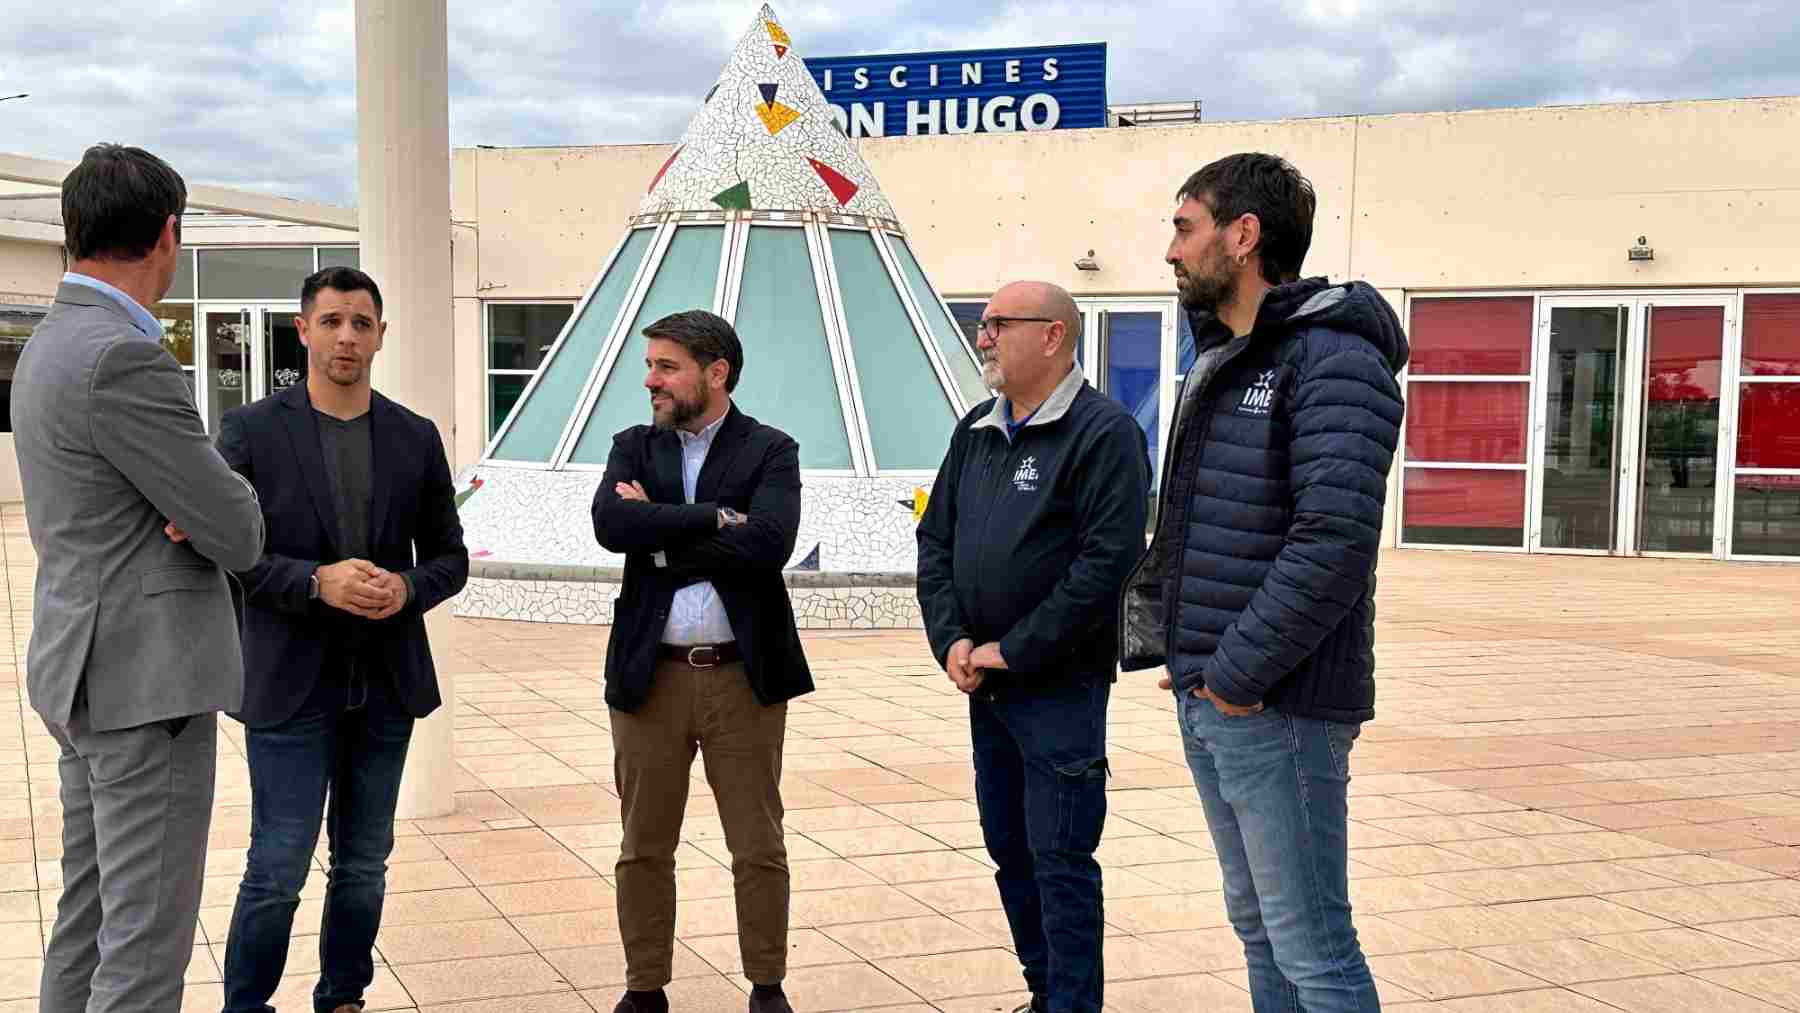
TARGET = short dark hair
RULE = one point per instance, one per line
(707, 337)
(114, 204)
(1268, 187)
(338, 279)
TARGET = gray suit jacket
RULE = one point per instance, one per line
(110, 448)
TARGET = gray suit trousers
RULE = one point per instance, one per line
(137, 804)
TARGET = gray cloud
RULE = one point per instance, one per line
(262, 95)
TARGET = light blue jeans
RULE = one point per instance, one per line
(1274, 790)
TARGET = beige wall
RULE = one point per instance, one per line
(29, 272)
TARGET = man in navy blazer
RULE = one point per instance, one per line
(363, 541)
(705, 505)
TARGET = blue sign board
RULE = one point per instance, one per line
(966, 92)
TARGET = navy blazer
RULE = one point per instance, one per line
(414, 530)
(751, 468)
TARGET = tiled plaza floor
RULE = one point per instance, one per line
(1582, 793)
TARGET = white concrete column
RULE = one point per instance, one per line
(403, 182)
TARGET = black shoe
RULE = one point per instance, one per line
(643, 1002)
(772, 1000)
(1036, 1005)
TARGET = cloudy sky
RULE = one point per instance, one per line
(261, 93)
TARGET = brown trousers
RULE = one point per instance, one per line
(714, 710)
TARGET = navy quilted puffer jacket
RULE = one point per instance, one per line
(1260, 578)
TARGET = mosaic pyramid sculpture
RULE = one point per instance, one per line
(766, 214)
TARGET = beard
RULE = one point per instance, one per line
(992, 376)
(678, 412)
(344, 374)
(1213, 287)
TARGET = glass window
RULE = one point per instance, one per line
(520, 335)
(254, 274)
(1471, 337)
(968, 320)
(1131, 350)
(178, 335)
(16, 325)
(1443, 506)
(1769, 425)
(1772, 335)
(909, 414)
(540, 423)
(1766, 516)
(1185, 352)
(1467, 423)
(182, 287)
(943, 328)
(340, 256)
(685, 280)
(788, 380)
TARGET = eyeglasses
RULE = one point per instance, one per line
(992, 326)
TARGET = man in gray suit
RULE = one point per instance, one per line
(134, 648)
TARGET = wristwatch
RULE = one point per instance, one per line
(729, 516)
(312, 585)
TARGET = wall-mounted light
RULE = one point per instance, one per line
(1087, 263)
(1641, 251)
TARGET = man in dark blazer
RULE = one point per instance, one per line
(705, 505)
(363, 541)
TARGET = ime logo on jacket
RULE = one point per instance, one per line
(1260, 398)
(1026, 478)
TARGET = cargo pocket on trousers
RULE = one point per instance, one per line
(1081, 804)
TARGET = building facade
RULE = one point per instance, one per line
(1603, 301)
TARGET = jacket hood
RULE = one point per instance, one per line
(1353, 307)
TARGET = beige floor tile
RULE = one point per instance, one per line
(1686, 949)
(1694, 905)
(1447, 974)
(491, 978)
(1170, 913)
(439, 941)
(1776, 935)
(603, 966)
(906, 937)
(494, 842)
(1569, 961)
(556, 1002)
(838, 987)
(1695, 870)
(1216, 949)
(569, 929)
(1543, 1000)
(552, 897)
(1184, 992)
(806, 948)
(433, 906)
(1673, 994)
(823, 908)
(526, 867)
(1774, 983)
(947, 975)
(1415, 859)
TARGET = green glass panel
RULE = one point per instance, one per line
(540, 418)
(254, 274)
(684, 281)
(340, 256)
(943, 327)
(503, 392)
(788, 380)
(909, 414)
(183, 285)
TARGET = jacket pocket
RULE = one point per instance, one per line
(1081, 804)
(180, 578)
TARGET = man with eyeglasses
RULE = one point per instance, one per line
(1036, 518)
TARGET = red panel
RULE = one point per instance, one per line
(1445, 498)
(1466, 423)
(1471, 337)
(1687, 350)
(1769, 425)
(1772, 335)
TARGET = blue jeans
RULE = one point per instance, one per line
(1040, 783)
(1274, 790)
(349, 741)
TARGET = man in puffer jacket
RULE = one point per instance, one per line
(1258, 588)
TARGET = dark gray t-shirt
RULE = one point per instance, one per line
(349, 460)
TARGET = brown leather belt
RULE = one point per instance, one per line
(701, 655)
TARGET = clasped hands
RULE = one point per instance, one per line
(968, 665)
(356, 586)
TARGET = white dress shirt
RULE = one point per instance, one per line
(697, 616)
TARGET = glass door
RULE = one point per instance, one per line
(1128, 357)
(1579, 427)
(1629, 426)
(1680, 379)
(285, 357)
(229, 336)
